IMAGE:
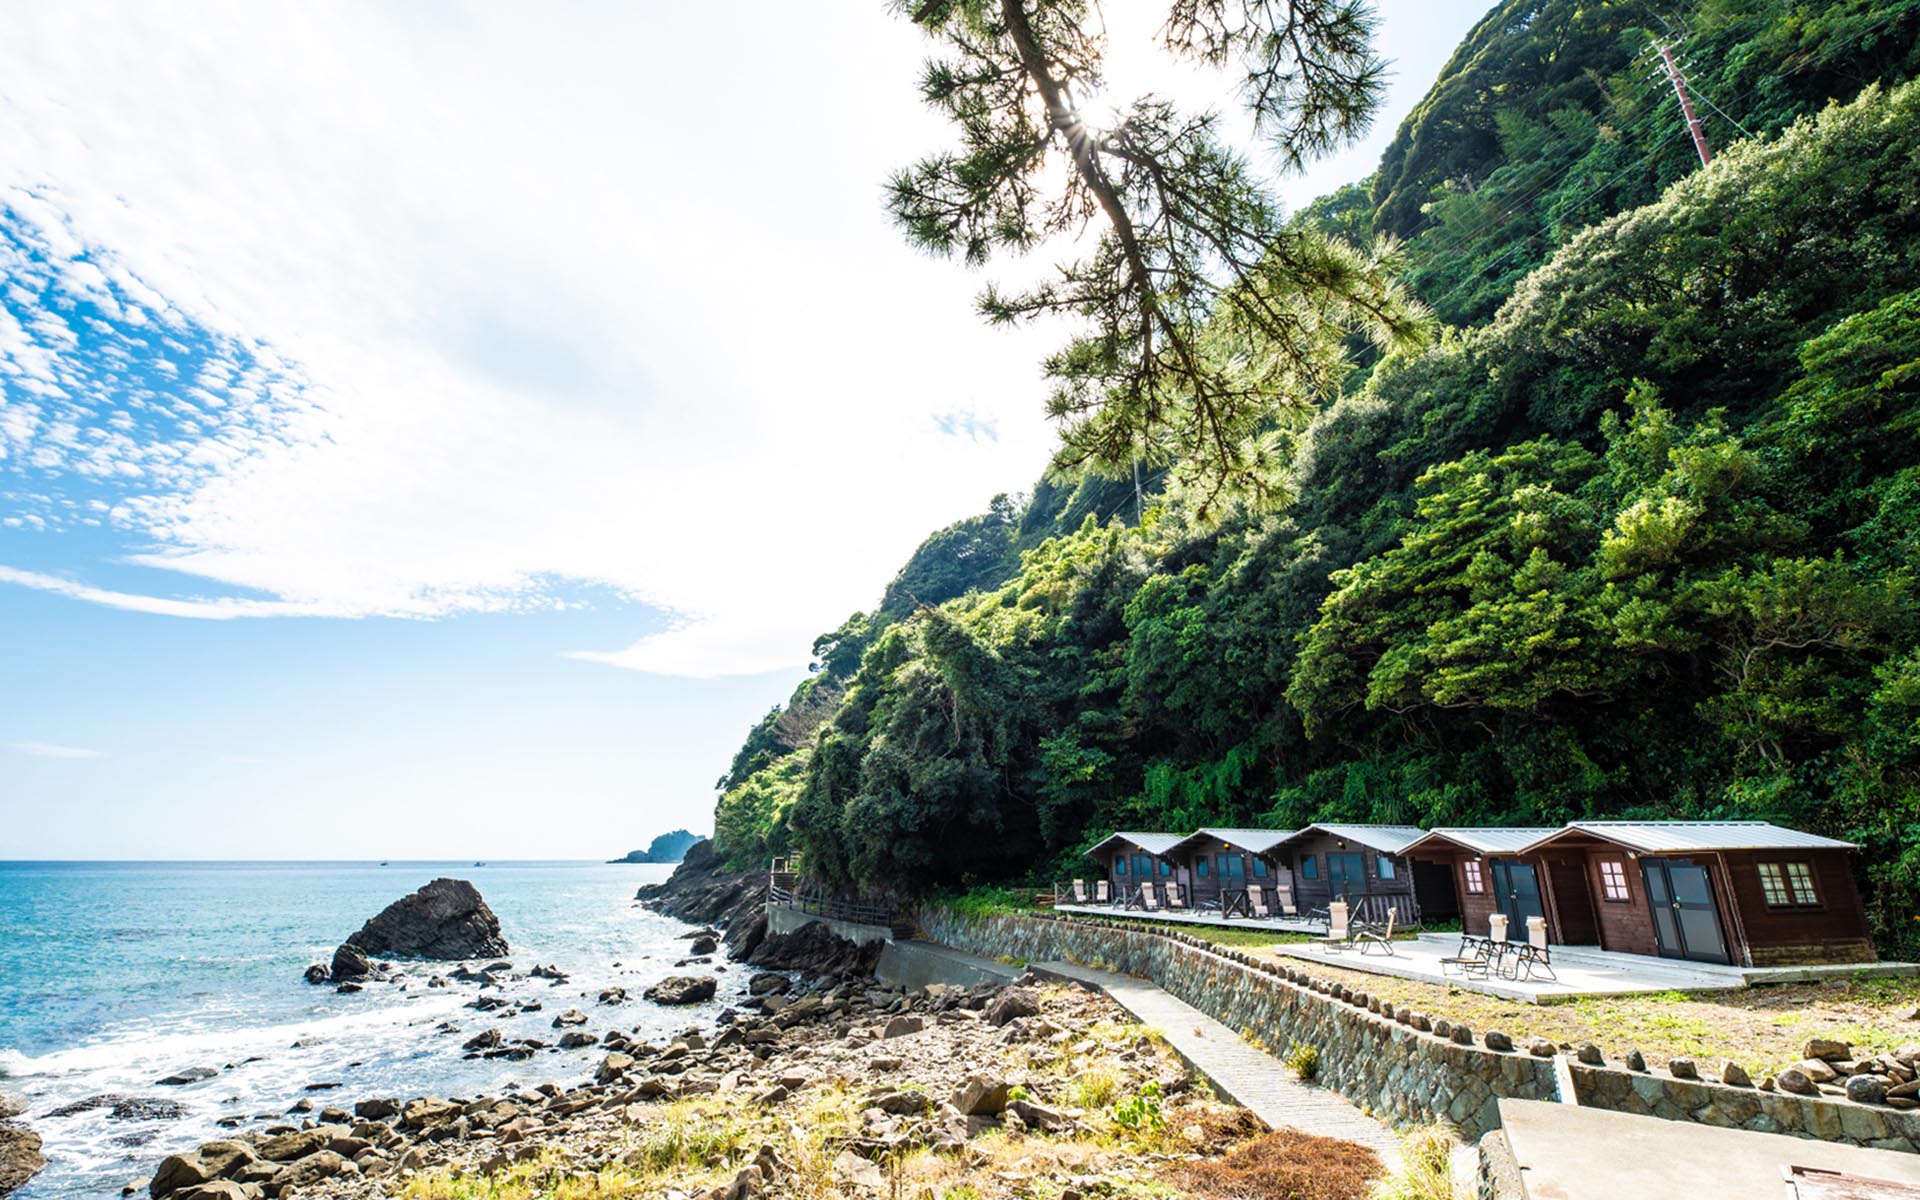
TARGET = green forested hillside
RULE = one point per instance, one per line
(1643, 542)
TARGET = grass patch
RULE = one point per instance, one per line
(1426, 1169)
(1303, 1059)
(1284, 1165)
(1094, 1089)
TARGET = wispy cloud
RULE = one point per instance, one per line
(50, 750)
(969, 424)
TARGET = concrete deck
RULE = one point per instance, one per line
(1565, 1152)
(1582, 970)
(1237, 1071)
(1189, 917)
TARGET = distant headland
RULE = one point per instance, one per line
(667, 848)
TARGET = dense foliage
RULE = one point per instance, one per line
(1642, 544)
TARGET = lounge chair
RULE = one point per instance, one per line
(1174, 898)
(1535, 955)
(1257, 902)
(1474, 957)
(1150, 897)
(1079, 891)
(1369, 935)
(1100, 894)
(1283, 901)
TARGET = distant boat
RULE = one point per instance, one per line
(479, 864)
(383, 864)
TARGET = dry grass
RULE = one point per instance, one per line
(1761, 1028)
(1285, 1165)
(1426, 1169)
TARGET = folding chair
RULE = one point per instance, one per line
(1376, 935)
(1100, 894)
(1174, 898)
(1536, 954)
(1079, 891)
(1149, 897)
(1257, 902)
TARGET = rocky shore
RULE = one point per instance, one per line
(821, 1082)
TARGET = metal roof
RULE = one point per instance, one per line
(1677, 837)
(1156, 844)
(1253, 841)
(1487, 839)
(1388, 839)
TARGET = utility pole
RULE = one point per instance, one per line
(1679, 82)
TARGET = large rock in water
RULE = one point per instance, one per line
(19, 1157)
(446, 919)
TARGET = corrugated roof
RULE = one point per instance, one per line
(1153, 843)
(1253, 841)
(1488, 839)
(1677, 837)
(1388, 839)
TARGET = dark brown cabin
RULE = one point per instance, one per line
(1351, 861)
(1742, 892)
(1217, 860)
(1488, 874)
(1131, 859)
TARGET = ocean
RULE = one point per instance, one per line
(114, 975)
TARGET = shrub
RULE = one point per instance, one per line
(1304, 1059)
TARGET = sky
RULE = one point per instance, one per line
(440, 430)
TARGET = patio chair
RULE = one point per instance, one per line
(1149, 897)
(1257, 902)
(1319, 916)
(1283, 901)
(1339, 932)
(1535, 955)
(1079, 891)
(1174, 897)
(1100, 892)
(1370, 935)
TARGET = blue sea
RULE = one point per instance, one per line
(113, 975)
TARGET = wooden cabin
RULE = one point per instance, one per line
(1332, 861)
(1743, 892)
(1131, 859)
(1221, 860)
(1488, 874)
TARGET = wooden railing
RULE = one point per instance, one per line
(786, 888)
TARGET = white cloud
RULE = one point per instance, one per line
(50, 750)
(502, 308)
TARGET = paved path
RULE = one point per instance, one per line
(1237, 1071)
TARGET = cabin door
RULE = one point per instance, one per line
(1516, 892)
(1686, 918)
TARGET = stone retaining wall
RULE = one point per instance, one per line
(1407, 1067)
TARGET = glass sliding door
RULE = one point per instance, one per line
(1686, 916)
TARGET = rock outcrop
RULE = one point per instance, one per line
(19, 1146)
(446, 919)
(702, 891)
(682, 989)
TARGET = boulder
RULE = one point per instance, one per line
(1794, 1080)
(769, 984)
(613, 1067)
(1012, 1002)
(350, 962)
(446, 919)
(426, 1112)
(289, 1146)
(613, 995)
(1866, 1089)
(187, 1075)
(1683, 1068)
(850, 1170)
(903, 1025)
(215, 1160)
(484, 1040)
(981, 1096)
(1037, 1116)
(322, 1164)
(19, 1157)
(376, 1109)
(1734, 1075)
(703, 945)
(574, 1039)
(317, 973)
(1817, 1069)
(1828, 1049)
(682, 989)
(1494, 1040)
(572, 1016)
(218, 1189)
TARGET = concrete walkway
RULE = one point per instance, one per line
(1237, 1071)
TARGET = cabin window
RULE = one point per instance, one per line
(1259, 868)
(1166, 868)
(1309, 867)
(1120, 866)
(1613, 880)
(1348, 868)
(1788, 885)
(1200, 868)
(1476, 886)
(1383, 866)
